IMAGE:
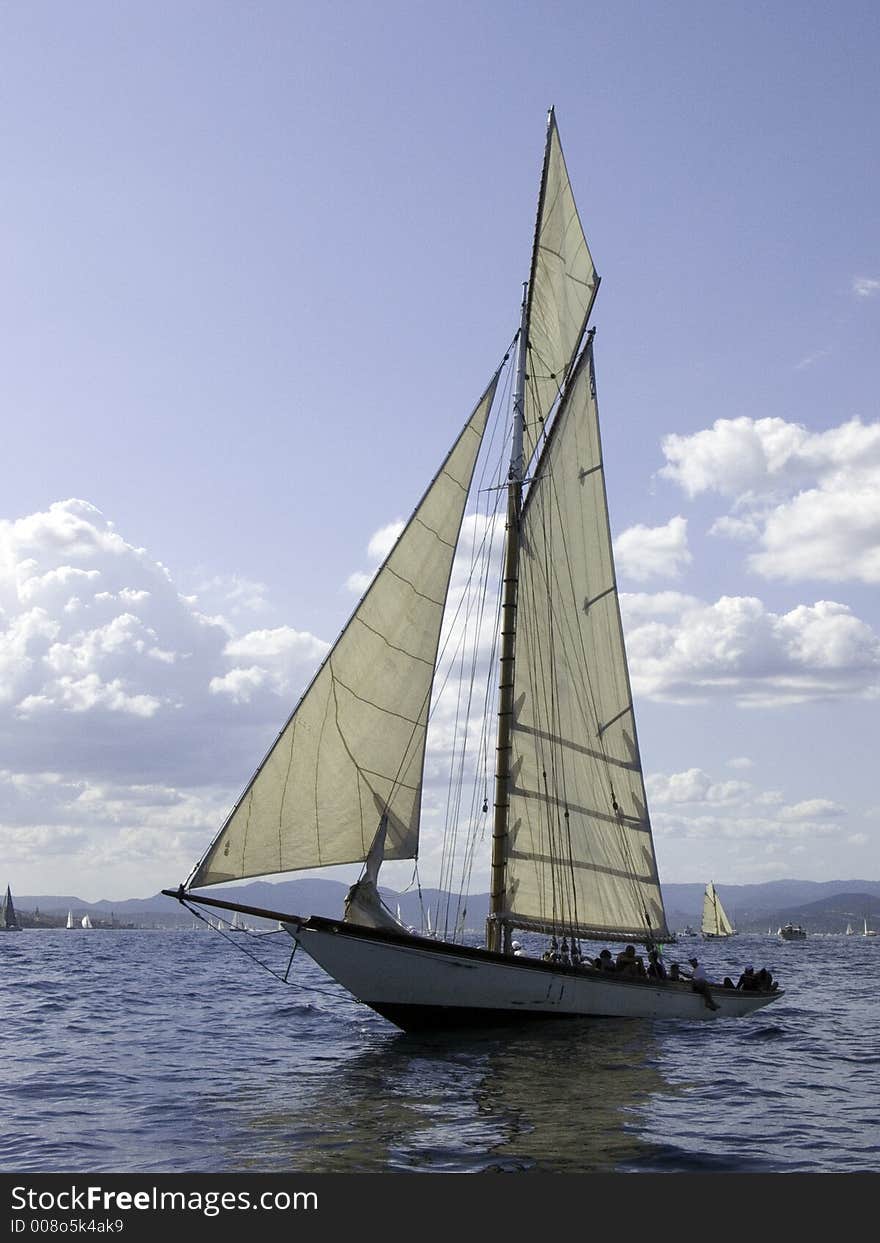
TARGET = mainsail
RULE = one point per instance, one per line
(714, 922)
(580, 856)
(352, 753)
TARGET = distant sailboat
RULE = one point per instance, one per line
(849, 930)
(8, 919)
(86, 922)
(70, 923)
(869, 932)
(714, 923)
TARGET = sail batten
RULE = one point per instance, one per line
(353, 749)
(590, 813)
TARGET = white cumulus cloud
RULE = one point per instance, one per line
(653, 552)
(810, 501)
(736, 647)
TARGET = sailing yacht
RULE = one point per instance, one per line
(86, 922)
(572, 853)
(714, 923)
(9, 921)
(70, 924)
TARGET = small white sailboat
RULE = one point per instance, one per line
(70, 923)
(572, 853)
(849, 930)
(869, 932)
(714, 923)
(86, 922)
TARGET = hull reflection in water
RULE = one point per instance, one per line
(546, 1098)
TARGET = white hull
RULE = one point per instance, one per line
(416, 983)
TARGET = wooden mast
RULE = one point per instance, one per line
(497, 930)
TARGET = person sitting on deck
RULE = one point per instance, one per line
(604, 962)
(655, 965)
(700, 983)
(766, 983)
(628, 962)
(748, 981)
(674, 972)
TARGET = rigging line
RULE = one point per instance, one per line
(237, 943)
(481, 561)
(482, 747)
(483, 457)
(478, 827)
(475, 620)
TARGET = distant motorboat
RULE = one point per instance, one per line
(793, 932)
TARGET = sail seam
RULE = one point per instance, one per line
(393, 646)
(401, 716)
(403, 579)
(431, 530)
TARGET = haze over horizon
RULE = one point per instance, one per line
(244, 316)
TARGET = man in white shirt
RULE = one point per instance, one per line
(700, 983)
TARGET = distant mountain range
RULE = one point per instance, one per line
(820, 906)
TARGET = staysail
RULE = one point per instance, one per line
(352, 752)
(580, 855)
(562, 289)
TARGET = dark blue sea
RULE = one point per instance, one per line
(134, 1052)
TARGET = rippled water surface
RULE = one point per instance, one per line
(157, 1051)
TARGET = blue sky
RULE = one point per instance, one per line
(258, 262)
